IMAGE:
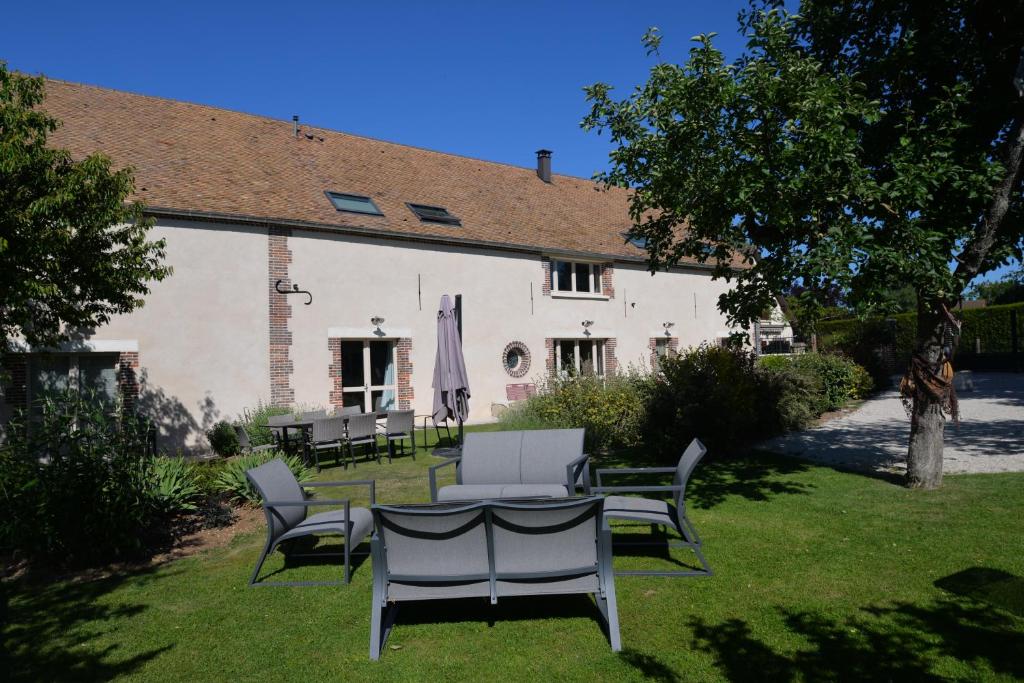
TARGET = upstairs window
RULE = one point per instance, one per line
(434, 214)
(573, 276)
(353, 203)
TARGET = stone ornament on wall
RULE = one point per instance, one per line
(516, 359)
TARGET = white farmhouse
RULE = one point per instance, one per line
(375, 232)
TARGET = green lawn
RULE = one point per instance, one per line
(820, 575)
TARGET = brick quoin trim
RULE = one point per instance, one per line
(549, 355)
(611, 363)
(607, 275)
(545, 265)
(278, 259)
(673, 348)
(128, 378)
(16, 387)
(334, 372)
(405, 393)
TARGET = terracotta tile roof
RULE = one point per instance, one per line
(200, 159)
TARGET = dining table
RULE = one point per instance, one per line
(306, 425)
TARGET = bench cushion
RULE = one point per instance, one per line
(546, 452)
(493, 491)
(491, 458)
(533, 491)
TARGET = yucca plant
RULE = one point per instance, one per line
(235, 485)
(176, 486)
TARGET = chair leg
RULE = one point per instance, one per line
(348, 551)
(259, 563)
(351, 454)
(412, 437)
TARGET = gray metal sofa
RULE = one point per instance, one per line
(489, 549)
(525, 464)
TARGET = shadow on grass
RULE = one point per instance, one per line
(309, 551)
(900, 642)
(48, 628)
(651, 667)
(992, 586)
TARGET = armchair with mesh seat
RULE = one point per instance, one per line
(286, 507)
(657, 512)
(399, 426)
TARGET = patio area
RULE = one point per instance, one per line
(820, 574)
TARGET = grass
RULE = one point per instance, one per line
(819, 575)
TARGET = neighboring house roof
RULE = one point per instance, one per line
(200, 161)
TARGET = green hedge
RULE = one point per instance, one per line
(858, 338)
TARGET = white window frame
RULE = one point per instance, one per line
(596, 273)
(598, 352)
(367, 388)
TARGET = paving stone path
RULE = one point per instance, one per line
(990, 437)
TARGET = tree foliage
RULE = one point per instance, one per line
(831, 151)
(73, 250)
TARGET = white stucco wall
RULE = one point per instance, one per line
(203, 331)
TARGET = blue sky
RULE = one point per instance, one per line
(482, 79)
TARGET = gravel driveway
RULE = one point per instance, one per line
(874, 436)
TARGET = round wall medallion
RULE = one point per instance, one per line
(516, 359)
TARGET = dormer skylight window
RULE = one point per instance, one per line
(434, 214)
(353, 203)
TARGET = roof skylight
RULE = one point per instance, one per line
(434, 214)
(353, 203)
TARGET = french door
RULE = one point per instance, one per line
(368, 374)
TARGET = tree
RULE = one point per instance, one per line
(73, 250)
(1007, 290)
(863, 145)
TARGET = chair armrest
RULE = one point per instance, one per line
(634, 489)
(573, 471)
(371, 483)
(633, 470)
(303, 503)
(432, 474)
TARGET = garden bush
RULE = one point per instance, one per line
(176, 486)
(611, 409)
(76, 482)
(232, 482)
(254, 422)
(223, 439)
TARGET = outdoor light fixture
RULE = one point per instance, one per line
(668, 326)
(377, 321)
(587, 323)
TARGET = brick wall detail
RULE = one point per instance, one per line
(128, 378)
(611, 363)
(279, 257)
(545, 287)
(334, 372)
(405, 393)
(549, 355)
(607, 277)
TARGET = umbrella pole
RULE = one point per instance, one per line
(458, 325)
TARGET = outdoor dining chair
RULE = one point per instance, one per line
(400, 425)
(348, 410)
(658, 513)
(246, 444)
(362, 431)
(286, 506)
(329, 434)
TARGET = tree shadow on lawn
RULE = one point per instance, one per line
(309, 551)
(900, 642)
(47, 629)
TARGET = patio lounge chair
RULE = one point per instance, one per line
(362, 431)
(328, 435)
(524, 464)
(400, 425)
(658, 513)
(489, 550)
(246, 445)
(286, 505)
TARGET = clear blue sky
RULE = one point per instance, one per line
(490, 80)
(482, 79)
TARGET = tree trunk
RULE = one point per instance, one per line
(927, 425)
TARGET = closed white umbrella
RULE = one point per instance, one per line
(451, 383)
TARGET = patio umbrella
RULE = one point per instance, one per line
(451, 384)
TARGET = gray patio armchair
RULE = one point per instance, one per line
(311, 415)
(490, 550)
(399, 426)
(516, 464)
(286, 506)
(658, 513)
(362, 431)
(329, 434)
(348, 410)
(246, 444)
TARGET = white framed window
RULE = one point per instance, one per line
(368, 374)
(579, 356)
(93, 375)
(576, 278)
